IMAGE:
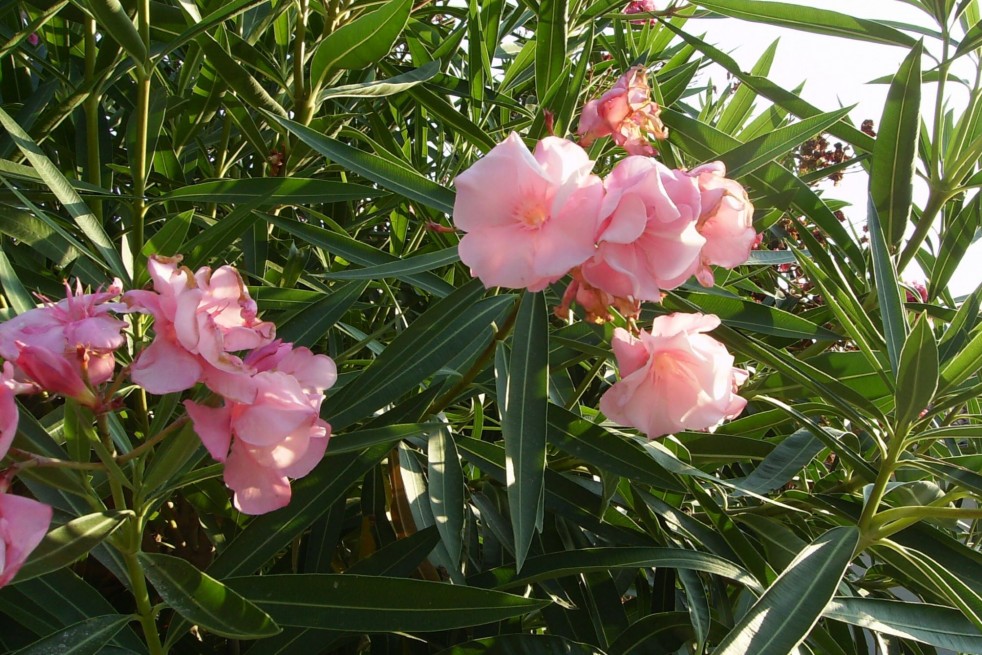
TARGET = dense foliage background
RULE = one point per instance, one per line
(313, 145)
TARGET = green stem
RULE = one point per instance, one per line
(91, 109)
(138, 585)
(935, 201)
(887, 467)
(894, 520)
(152, 441)
(140, 168)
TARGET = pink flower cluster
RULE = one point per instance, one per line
(64, 348)
(530, 218)
(267, 428)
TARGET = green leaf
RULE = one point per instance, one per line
(759, 319)
(786, 613)
(111, 15)
(939, 626)
(400, 268)
(446, 489)
(237, 76)
(273, 191)
(394, 177)
(432, 340)
(956, 238)
(387, 87)
(310, 325)
(891, 184)
(67, 196)
(83, 638)
(374, 604)
(766, 148)
(359, 253)
(522, 644)
(550, 45)
(13, 289)
(963, 365)
(917, 378)
(205, 601)
(360, 42)
(312, 497)
(740, 106)
(791, 455)
(585, 560)
(523, 420)
(971, 41)
(809, 19)
(362, 439)
(887, 290)
(68, 542)
(219, 237)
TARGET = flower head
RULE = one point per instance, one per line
(648, 239)
(200, 320)
(726, 221)
(626, 113)
(673, 378)
(529, 218)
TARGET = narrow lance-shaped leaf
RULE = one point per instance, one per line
(83, 638)
(939, 626)
(205, 601)
(361, 42)
(809, 19)
(550, 45)
(917, 379)
(523, 420)
(111, 15)
(66, 543)
(887, 290)
(891, 184)
(786, 613)
(67, 196)
(446, 489)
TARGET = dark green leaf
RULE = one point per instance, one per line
(550, 45)
(522, 645)
(273, 191)
(891, 183)
(386, 87)
(373, 604)
(206, 602)
(790, 456)
(310, 325)
(887, 290)
(786, 613)
(68, 542)
(943, 627)
(360, 42)
(446, 489)
(917, 378)
(84, 638)
(111, 15)
(523, 420)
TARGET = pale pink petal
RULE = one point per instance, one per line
(629, 351)
(23, 524)
(164, 367)
(213, 426)
(258, 489)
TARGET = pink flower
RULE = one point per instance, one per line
(673, 378)
(23, 524)
(648, 239)
(78, 330)
(55, 373)
(920, 288)
(200, 319)
(529, 218)
(625, 113)
(726, 221)
(278, 435)
(641, 7)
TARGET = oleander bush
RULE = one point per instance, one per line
(373, 326)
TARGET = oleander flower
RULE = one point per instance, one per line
(648, 238)
(673, 378)
(529, 218)
(200, 320)
(23, 524)
(10, 386)
(278, 435)
(626, 113)
(726, 221)
(76, 336)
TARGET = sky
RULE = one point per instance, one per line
(837, 72)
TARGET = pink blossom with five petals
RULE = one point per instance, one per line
(626, 113)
